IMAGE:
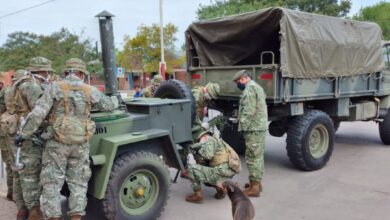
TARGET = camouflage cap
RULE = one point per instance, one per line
(205, 132)
(38, 64)
(239, 74)
(157, 79)
(213, 89)
(19, 74)
(75, 64)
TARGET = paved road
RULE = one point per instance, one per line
(353, 186)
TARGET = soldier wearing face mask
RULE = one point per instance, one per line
(252, 122)
(27, 90)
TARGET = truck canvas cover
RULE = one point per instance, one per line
(305, 45)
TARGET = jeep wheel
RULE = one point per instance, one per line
(310, 140)
(175, 89)
(384, 129)
(138, 187)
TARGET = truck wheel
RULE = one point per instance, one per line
(236, 140)
(310, 140)
(175, 89)
(138, 187)
(384, 129)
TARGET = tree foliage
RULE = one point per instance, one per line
(20, 47)
(142, 52)
(220, 8)
(379, 13)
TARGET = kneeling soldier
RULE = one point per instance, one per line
(216, 163)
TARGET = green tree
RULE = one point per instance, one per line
(20, 47)
(220, 8)
(142, 52)
(378, 13)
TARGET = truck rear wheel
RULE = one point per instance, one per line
(384, 129)
(310, 140)
(175, 89)
(138, 187)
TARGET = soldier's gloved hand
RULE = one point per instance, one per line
(19, 140)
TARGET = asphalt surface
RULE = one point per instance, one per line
(354, 185)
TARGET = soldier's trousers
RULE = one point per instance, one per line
(17, 194)
(65, 162)
(254, 153)
(31, 157)
(212, 175)
(7, 157)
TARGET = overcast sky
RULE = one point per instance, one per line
(78, 16)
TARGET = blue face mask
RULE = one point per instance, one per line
(241, 86)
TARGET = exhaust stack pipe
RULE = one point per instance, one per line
(108, 51)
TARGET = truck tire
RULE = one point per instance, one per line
(175, 89)
(138, 187)
(384, 129)
(236, 140)
(310, 140)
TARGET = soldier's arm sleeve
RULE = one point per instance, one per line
(35, 118)
(32, 93)
(248, 107)
(101, 101)
(208, 149)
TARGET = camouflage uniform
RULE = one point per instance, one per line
(6, 153)
(29, 89)
(217, 165)
(63, 160)
(149, 91)
(201, 95)
(252, 118)
(9, 97)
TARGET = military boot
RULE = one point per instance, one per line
(56, 218)
(75, 217)
(35, 213)
(248, 185)
(22, 214)
(254, 189)
(220, 194)
(197, 197)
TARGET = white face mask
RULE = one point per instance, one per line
(45, 80)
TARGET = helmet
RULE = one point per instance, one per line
(205, 132)
(239, 74)
(157, 79)
(19, 74)
(213, 89)
(75, 64)
(40, 64)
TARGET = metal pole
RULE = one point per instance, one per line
(162, 63)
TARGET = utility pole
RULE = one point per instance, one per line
(162, 62)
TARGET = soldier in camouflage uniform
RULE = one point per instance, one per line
(6, 154)
(252, 119)
(216, 163)
(149, 91)
(67, 104)
(202, 94)
(28, 90)
(9, 123)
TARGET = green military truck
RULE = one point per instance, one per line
(317, 71)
